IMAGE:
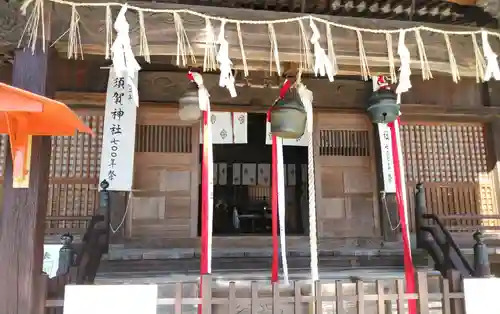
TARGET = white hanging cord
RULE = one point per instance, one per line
(322, 64)
(226, 74)
(453, 63)
(306, 97)
(183, 46)
(274, 47)
(424, 63)
(109, 31)
(305, 54)
(74, 40)
(480, 62)
(35, 18)
(363, 61)
(143, 39)
(492, 69)
(209, 60)
(331, 50)
(390, 57)
(386, 208)
(281, 206)
(121, 51)
(242, 49)
(404, 69)
(122, 221)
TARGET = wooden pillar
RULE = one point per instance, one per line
(388, 204)
(22, 222)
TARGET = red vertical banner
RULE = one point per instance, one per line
(204, 201)
(274, 215)
(398, 170)
(204, 206)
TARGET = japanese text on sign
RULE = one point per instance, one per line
(117, 157)
(386, 157)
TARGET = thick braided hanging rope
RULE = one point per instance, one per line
(306, 98)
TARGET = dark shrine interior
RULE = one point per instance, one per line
(242, 206)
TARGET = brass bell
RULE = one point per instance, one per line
(288, 117)
(189, 108)
(383, 106)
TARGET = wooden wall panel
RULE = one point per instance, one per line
(165, 199)
(346, 191)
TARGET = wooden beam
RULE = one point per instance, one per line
(439, 96)
(162, 37)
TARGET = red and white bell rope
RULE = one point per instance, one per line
(206, 178)
(401, 198)
(278, 201)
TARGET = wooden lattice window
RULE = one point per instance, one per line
(74, 173)
(344, 143)
(444, 153)
(451, 161)
(163, 139)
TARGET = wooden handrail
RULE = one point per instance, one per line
(450, 242)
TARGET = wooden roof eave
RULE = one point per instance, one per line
(162, 38)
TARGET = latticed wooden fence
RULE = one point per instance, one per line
(434, 295)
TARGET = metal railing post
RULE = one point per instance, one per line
(66, 255)
(420, 210)
(481, 258)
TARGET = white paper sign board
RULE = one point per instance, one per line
(386, 156)
(482, 295)
(301, 141)
(118, 144)
(51, 259)
(123, 299)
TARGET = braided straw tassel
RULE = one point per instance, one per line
(143, 39)
(363, 61)
(183, 46)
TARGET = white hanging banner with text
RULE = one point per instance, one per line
(118, 142)
(385, 137)
(301, 141)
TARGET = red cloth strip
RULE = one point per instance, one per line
(408, 263)
(204, 207)
(285, 88)
(274, 214)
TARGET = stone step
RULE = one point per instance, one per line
(165, 267)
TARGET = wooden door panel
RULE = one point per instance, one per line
(164, 181)
(346, 196)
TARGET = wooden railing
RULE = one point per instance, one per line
(459, 206)
(434, 294)
(439, 243)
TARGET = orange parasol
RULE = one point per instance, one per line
(24, 114)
